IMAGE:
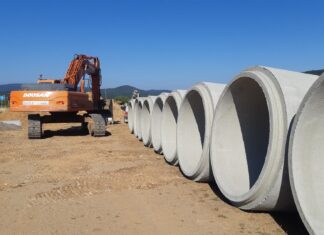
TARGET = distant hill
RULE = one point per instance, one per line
(315, 72)
(5, 89)
(109, 92)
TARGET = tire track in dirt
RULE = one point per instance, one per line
(115, 180)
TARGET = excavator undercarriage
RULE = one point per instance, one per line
(93, 123)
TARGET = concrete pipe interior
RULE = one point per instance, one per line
(131, 116)
(169, 129)
(191, 132)
(242, 137)
(146, 122)
(156, 124)
(139, 120)
(135, 116)
(306, 160)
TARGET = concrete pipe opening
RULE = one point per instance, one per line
(249, 134)
(244, 126)
(137, 119)
(156, 122)
(146, 120)
(135, 116)
(193, 130)
(169, 126)
(306, 159)
(131, 115)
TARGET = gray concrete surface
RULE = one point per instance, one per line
(137, 120)
(156, 122)
(249, 135)
(193, 129)
(306, 159)
(146, 116)
(130, 105)
(169, 125)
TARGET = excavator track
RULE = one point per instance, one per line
(97, 125)
(34, 126)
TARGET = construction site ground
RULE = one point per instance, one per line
(69, 183)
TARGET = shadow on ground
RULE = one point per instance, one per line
(71, 131)
(289, 222)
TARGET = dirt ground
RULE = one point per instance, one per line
(68, 183)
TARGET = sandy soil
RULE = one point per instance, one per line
(67, 183)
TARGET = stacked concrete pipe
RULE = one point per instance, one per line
(146, 117)
(130, 105)
(193, 129)
(306, 159)
(169, 126)
(249, 137)
(156, 122)
(137, 120)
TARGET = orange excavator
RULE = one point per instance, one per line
(65, 101)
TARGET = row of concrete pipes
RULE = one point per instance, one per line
(260, 137)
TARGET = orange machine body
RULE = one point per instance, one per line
(65, 100)
(50, 101)
(73, 100)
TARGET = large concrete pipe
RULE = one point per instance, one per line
(169, 126)
(156, 122)
(139, 118)
(146, 120)
(193, 129)
(249, 136)
(137, 114)
(130, 105)
(306, 159)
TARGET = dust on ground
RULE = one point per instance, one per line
(70, 183)
(118, 112)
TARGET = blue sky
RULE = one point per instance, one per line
(166, 44)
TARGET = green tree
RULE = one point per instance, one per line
(121, 99)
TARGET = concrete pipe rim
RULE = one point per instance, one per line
(208, 108)
(130, 115)
(276, 139)
(146, 120)
(297, 160)
(136, 116)
(139, 123)
(170, 155)
(156, 122)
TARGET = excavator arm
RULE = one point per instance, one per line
(81, 65)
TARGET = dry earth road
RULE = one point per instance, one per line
(68, 183)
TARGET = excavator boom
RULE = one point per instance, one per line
(81, 65)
